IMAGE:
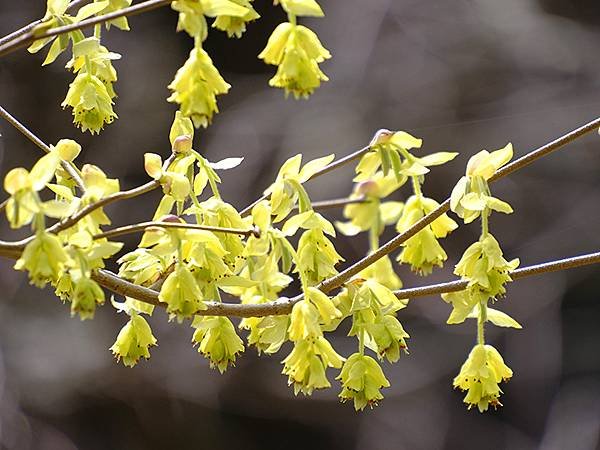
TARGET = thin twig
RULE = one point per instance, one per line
(337, 203)
(21, 31)
(31, 36)
(68, 166)
(144, 226)
(459, 285)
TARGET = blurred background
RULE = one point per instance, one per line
(463, 75)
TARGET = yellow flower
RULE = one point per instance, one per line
(86, 294)
(91, 103)
(383, 272)
(236, 25)
(217, 340)
(480, 375)
(306, 365)
(423, 251)
(196, 86)
(388, 337)
(44, 258)
(304, 322)
(133, 341)
(181, 293)
(471, 195)
(362, 378)
(297, 52)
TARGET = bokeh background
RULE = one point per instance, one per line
(463, 75)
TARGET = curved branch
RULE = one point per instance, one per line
(284, 305)
(140, 227)
(21, 31)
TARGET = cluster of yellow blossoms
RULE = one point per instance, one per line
(293, 48)
(203, 247)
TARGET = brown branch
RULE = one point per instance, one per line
(31, 36)
(284, 305)
(337, 203)
(523, 272)
(21, 31)
(140, 227)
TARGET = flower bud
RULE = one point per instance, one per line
(182, 144)
(153, 165)
(368, 189)
(68, 149)
(171, 218)
(16, 179)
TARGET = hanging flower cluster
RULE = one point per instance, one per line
(487, 272)
(199, 247)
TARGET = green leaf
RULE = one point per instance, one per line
(90, 9)
(312, 167)
(405, 140)
(436, 159)
(498, 205)
(55, 50)
(502, 319)
(498, 318)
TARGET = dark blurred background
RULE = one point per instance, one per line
(463, 75)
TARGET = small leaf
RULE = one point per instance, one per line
(61, 191)
(436, 159)
(502, 319)
(498, 205)
(90, 9)
(405, 140)
(312, 167)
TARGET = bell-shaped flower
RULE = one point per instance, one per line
(217, 340)
(297, 52)
(181, 293)
(86, 295)
(91, 103)
(236, 25)
(471, 195)
(196, 86)
(423, 251)
(307, 363)
(362, 379)
(480, 375)
(133, 341)
(44, 258)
